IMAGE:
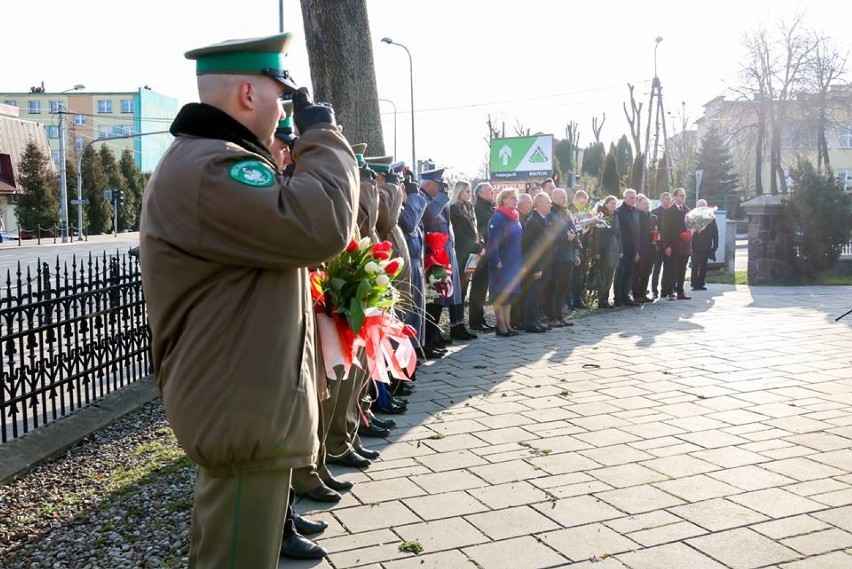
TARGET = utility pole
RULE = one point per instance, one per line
(63, 182)
(656, 94)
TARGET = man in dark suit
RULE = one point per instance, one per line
(483, 208)
(665, 203)
(628, 219)
(704, 245)
(676, 243)
(534, 243)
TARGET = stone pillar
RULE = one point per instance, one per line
(730, 247)
(771, 251)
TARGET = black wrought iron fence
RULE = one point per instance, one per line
(70, 333)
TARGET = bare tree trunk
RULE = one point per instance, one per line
(634, 119)
(827, 66)
(758, 154)
(573, 133)
(597, 127)
(335, 33)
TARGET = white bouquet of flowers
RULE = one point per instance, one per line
(699, 218)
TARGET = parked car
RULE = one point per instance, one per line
(6, 236)
(27, 234)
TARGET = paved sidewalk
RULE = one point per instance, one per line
(711, 433)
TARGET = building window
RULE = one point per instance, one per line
(54, 106)
(844, 176)
(104, 131)
(55, 155)
(52, 131)
(844, 136)
(79, 143)
(35, 107)
(127, 105)
(11, 102)
(104, 106)
(79, 120)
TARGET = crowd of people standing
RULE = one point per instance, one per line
(543, 256)
(251, 195)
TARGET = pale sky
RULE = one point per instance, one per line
(540, 63)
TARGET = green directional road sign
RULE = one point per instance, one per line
(522, 158)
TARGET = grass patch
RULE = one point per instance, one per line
(741, 278)
(738, 278)
(411, 547)
(156, 458)
(436, 437)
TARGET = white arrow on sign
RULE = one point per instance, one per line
(505, 154)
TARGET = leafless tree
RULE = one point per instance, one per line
(634, 119)
(826, 67)
(597, 127)
(520, 130)
(334, 34)
(572, 135)
(774, 73)
(494, 132)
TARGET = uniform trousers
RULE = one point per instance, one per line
(311, 477)
(343, 425)
(238, 519)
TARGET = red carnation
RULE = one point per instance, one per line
(393, 267)
(382, 251)
(352, 246)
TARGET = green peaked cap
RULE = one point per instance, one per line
(379, 163)
(253, 56)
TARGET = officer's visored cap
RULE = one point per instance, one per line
(381, 164)
(436, 175)
(252, 56)
(359, 148)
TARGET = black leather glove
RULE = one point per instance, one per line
(306, 113)
(367, 175)
(411, 187)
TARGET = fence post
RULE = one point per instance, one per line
(54, 234)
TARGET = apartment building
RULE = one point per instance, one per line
(92, 118)
(737, 121)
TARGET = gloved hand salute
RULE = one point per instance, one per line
(306, 113)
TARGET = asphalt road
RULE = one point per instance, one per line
(29, 253)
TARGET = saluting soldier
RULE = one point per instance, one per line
(225, 244)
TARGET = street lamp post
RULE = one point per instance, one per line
(389, 41)
(63, 182)
(394, 125)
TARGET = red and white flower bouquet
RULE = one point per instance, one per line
(353, 298)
